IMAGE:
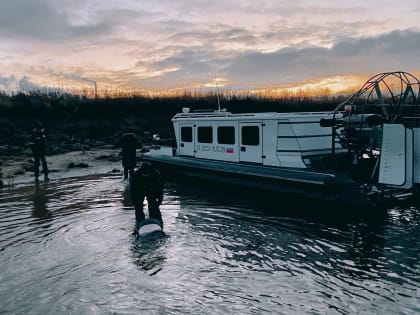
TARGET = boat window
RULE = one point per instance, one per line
(205, 134)
(226, 135)
(250, 135)
(186, 134)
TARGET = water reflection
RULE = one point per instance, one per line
(149, 252)
(367, 244)
(39, 202)
(126, 198)
(265, 233)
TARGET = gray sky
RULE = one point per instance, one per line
(165, 44)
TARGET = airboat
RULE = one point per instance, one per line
(364, 153)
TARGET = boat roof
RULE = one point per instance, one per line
(263, 115)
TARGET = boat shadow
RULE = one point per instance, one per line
(277, 204)
(257, 223)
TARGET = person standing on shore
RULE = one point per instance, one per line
(146, 182)
(39, 151)
(129, 144)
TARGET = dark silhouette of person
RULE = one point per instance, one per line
(129, 144)
(39, 151)
(147, 182)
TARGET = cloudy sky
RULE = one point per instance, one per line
(166, 44)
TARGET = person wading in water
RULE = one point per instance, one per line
(147, 182)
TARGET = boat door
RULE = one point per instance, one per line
(186, 142)
(250, 135)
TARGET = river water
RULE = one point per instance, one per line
(67, 247)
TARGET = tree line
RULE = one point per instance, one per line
(72, 119)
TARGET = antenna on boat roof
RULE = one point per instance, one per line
(217, 89)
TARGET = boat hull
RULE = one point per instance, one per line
(321, 185)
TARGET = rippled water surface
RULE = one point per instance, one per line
(66, 248)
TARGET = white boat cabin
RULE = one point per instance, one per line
(275, 139)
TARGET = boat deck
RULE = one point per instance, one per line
(286, 174)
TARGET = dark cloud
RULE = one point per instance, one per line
(237, 35)
(25, 84)
(46, 20)
(191, 66)
(7, 82)
(393, 51)
(12, 84)
(399, 42)
(31, 19)
(190, 61)
(397, 50)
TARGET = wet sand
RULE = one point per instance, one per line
(19, 169)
